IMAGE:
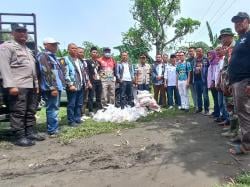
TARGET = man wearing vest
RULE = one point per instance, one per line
(74, 81)
(51, 83)
(125, 76)
(142, 73)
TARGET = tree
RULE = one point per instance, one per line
(87, 46)
(61, 52)
(5, 36)
(136, 37)
(213, 38)
(155, 17)
(202, 45)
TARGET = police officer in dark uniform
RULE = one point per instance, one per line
(18, 71)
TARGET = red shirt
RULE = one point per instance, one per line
(107, 68)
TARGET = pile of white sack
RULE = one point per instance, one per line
(144, 104)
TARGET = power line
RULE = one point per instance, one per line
(221, 15)
(203, 17)
(223, 4)
(214, 15)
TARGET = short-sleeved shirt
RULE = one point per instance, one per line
(183, 69)
(170, 74)
(239, 67)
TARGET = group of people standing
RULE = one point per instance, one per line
(224, 70)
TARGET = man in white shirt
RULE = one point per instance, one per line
(125, 76)
(170, 82)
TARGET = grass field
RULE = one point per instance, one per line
(242, 180)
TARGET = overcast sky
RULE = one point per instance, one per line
(103, 21)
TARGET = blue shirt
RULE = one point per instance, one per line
(183, 69)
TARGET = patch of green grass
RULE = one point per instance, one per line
(90, 128)
(165, 113)
(242, 180)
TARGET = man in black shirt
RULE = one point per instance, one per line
(94, 77)
(239, 78)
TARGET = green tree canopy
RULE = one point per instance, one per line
(213, 38)
(155, 17)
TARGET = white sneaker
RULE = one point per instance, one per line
(171, 107)
(179, 107)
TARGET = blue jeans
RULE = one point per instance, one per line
(202, 90)
(75, 102)
(126, 93)
(222, 106)
(216, 103)
(171, 90)
(52, 105)
(143, 87)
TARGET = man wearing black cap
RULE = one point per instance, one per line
(18, 71)
(107, 73)
(239, 78)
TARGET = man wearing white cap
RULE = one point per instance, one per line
(51, 83)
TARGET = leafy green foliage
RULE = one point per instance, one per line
(87, 46)
(5, 36)
(154, 17)
(62, 52)
(242, 180)
(213, 38)
(202, 45)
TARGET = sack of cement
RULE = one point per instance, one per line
(146, 99)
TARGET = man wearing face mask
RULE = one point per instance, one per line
(107, 73)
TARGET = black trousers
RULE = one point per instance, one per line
(126, 93)
(23, 108)
(97, 92)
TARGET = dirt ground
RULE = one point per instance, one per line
(187, 151)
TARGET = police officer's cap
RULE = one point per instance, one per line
(18, 27)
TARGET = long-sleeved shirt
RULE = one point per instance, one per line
(17, 66)
(51, 73)
(73, 74)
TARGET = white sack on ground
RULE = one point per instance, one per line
(144, 102)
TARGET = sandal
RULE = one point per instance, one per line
(238, 150)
